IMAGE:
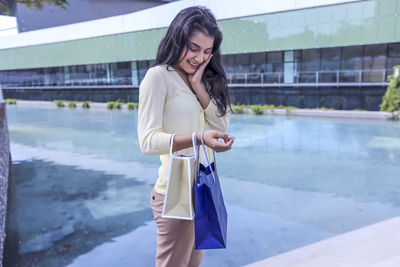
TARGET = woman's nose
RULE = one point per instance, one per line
(200, 57)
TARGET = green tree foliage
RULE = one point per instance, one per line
(391, 99)
(6, 5)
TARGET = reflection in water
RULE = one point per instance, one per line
(58, 212)
(80, 187)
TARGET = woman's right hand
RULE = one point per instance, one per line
(211, 140)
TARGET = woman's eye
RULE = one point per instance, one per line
(193, 49)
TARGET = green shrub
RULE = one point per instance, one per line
(391, 99)
(86, 104)
(59, 103)
(269, 107)
(131, 105)
(256, 109)
(117, 105)
(71, 104)
(11, 101)
(238, 109)
(288, 109)
(114, 105)
(110, 105)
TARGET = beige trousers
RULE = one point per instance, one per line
(175, 238)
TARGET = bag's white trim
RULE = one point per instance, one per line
(187, 158)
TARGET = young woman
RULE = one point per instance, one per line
(181, 94)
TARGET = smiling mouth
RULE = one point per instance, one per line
(193, 65)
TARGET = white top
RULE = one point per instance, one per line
(167, 106)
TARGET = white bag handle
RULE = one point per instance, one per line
(206, 156)
(194, 142)
(196, 156)
(172, 144)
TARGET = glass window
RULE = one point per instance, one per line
(275, 61)
(351, 64)
(297, 55)
(114, 73)
(124, 73)
(310, 64)
(151, 63)
(394, 50)
(135, 74)
(258, 65)
(228, 62)
(243, 63)
(32, 77)
(54, 76)
(258, 62)
(375, 57)
(330, 58)
(142, 69)
(72, 74)
(330, 65)
(100, 74)
(393, 62)
(3, 78)
(374, 63)
(67, 76)
(275, 57)
(352, 58)
(394, 57)
(310, 60)
(89, 74)
(9, 78)
(289, 67)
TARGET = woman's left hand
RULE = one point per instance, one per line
(195, 78)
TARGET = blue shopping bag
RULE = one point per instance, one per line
(210, 213)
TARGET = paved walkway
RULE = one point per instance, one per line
(377, 245)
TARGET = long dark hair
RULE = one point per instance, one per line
(175, 41)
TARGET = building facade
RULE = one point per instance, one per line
(30, 19)
(327, 53)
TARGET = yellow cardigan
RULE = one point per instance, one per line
(167, 106)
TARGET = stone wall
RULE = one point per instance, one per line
(5, 163)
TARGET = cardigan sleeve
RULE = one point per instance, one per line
(214, 121)
(152, 95)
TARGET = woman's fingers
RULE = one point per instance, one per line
(199, 72)
(205, 63)
(211, 138)
(226, 137)
(221, 147)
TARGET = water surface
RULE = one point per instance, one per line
(79, 189)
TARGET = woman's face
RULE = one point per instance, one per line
(198, 49)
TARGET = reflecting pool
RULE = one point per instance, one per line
(80, 187)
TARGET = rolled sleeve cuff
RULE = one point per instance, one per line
(165, 143)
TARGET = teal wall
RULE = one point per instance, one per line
(364, 22)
